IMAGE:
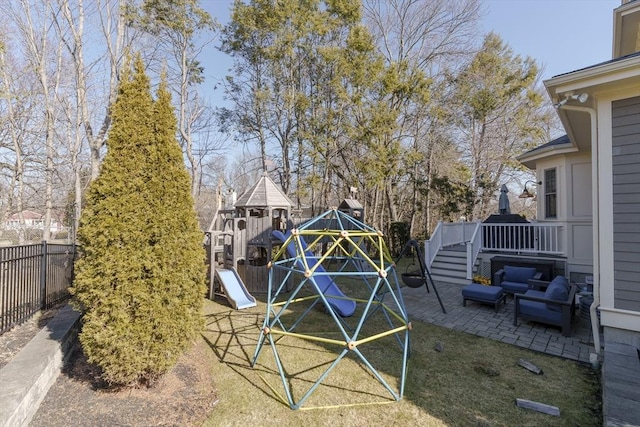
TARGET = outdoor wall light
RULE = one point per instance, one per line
(526, 194)
(581, 98)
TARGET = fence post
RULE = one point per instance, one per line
(43, 275)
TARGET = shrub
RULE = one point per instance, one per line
(399, 236)
(10, 235)
(33, 235)
(482, 280)
(140, 281)
(62, 235)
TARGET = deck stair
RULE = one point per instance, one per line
(450, 265)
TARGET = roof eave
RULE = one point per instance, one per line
(530, 158)
(595, 80)
(595, 77)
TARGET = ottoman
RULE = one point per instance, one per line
(483, 294)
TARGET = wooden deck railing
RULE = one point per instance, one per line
(543, 238)
(536, 238)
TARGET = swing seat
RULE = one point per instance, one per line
(413, 279)
(417, 278)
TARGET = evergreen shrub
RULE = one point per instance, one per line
(140, 281)
(61, 235)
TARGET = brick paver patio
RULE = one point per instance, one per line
(483, 320)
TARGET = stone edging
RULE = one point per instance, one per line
(26, 379)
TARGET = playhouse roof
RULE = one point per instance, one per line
(264, 194)
(350, 204)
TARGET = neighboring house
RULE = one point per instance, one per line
(33, 220)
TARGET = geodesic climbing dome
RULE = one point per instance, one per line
(327, 258)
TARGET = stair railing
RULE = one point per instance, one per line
(454, 233)
(433, 245)
(473, 248)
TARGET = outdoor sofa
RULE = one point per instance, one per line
(515, 280)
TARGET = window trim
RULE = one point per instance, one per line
(551, 193)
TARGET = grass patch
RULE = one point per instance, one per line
(472, 381)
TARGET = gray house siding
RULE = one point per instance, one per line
(626, 203)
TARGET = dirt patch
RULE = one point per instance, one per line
(185, 396)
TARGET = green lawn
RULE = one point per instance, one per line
(472, 381)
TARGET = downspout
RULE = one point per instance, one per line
(595, 327)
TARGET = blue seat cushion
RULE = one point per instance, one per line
(514, 287)
(480, 292)
(539, 310)
(518, 274)
(534, 293)
(557, 290)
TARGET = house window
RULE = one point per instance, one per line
(550, 194)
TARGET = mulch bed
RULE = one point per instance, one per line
(185, 396)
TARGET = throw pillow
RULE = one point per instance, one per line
(556, 292)
(562, 281)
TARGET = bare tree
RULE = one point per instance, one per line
(73, 51)
(426, 32)
(111, 15)
(51, 38)
(420, 39)
(36, 37)
(16, 168)
(31, 22)
(95, 80)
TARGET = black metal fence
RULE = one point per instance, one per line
(33, 277)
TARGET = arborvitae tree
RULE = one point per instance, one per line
(140, 281)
